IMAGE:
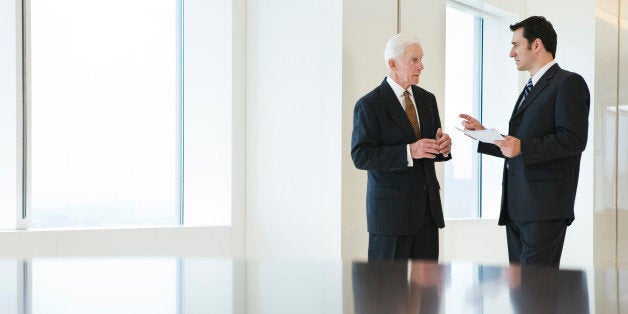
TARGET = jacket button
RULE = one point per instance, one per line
(425, 187)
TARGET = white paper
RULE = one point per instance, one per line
(486, 136)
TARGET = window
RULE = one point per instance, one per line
(129, 119)
(463, 63)
(208, 63)
(480, 80)
(103, 113)
(499, 93)
(8, 117)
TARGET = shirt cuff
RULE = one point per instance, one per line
(410, 162)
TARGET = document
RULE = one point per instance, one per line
(486, 136)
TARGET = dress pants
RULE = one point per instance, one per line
(536, 243)
(423, 245)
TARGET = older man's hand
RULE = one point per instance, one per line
(424, 148)
(444, 142)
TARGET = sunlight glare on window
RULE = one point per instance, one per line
(104, 103)
(461, 95)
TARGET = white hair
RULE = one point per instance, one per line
(396, 46)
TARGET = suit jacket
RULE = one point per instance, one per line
(397, 197)
(552, 124)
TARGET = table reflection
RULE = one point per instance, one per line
(534, 290)
(410, 287)
(424, 287)
(222, 285)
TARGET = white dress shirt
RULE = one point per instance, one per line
(537, 76)
(398, 90)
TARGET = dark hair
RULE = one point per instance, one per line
(538, 27)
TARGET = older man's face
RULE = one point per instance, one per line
(407, 70)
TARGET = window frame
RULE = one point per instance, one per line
(236, 165)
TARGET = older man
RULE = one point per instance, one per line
(397, 137)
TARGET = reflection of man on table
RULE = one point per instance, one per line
(408, 287)
(542, 290)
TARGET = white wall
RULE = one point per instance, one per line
(293, 127)
(293, 148)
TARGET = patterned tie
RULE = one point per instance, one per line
(411, 113)
(527, 89)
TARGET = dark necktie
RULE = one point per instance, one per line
(527, 89)
(411, 113)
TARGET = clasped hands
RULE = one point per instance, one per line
(510, 146)
(429, 148)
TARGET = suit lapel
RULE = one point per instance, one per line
(515, 109)
(537, 89)
(394, 109)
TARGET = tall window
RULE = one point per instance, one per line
(104, 113)
(208, 67)
(463, 75)
(130, 114)
(481, 81)
(8, 116)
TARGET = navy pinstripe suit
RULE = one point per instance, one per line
(551, 123)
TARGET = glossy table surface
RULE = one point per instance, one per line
(218, 285)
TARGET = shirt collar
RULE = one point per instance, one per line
(397, 88)
(542, 71)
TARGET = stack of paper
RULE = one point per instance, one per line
(486, 136)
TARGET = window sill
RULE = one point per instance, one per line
(136, 241)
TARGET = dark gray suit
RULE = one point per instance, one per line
(540, 184)
(398, 197)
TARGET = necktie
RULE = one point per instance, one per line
(527, 89)
(411, 113)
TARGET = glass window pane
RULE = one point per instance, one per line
(104, 113)
(462, 62)
(499, 94)
(207, 113)
(8, 116)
